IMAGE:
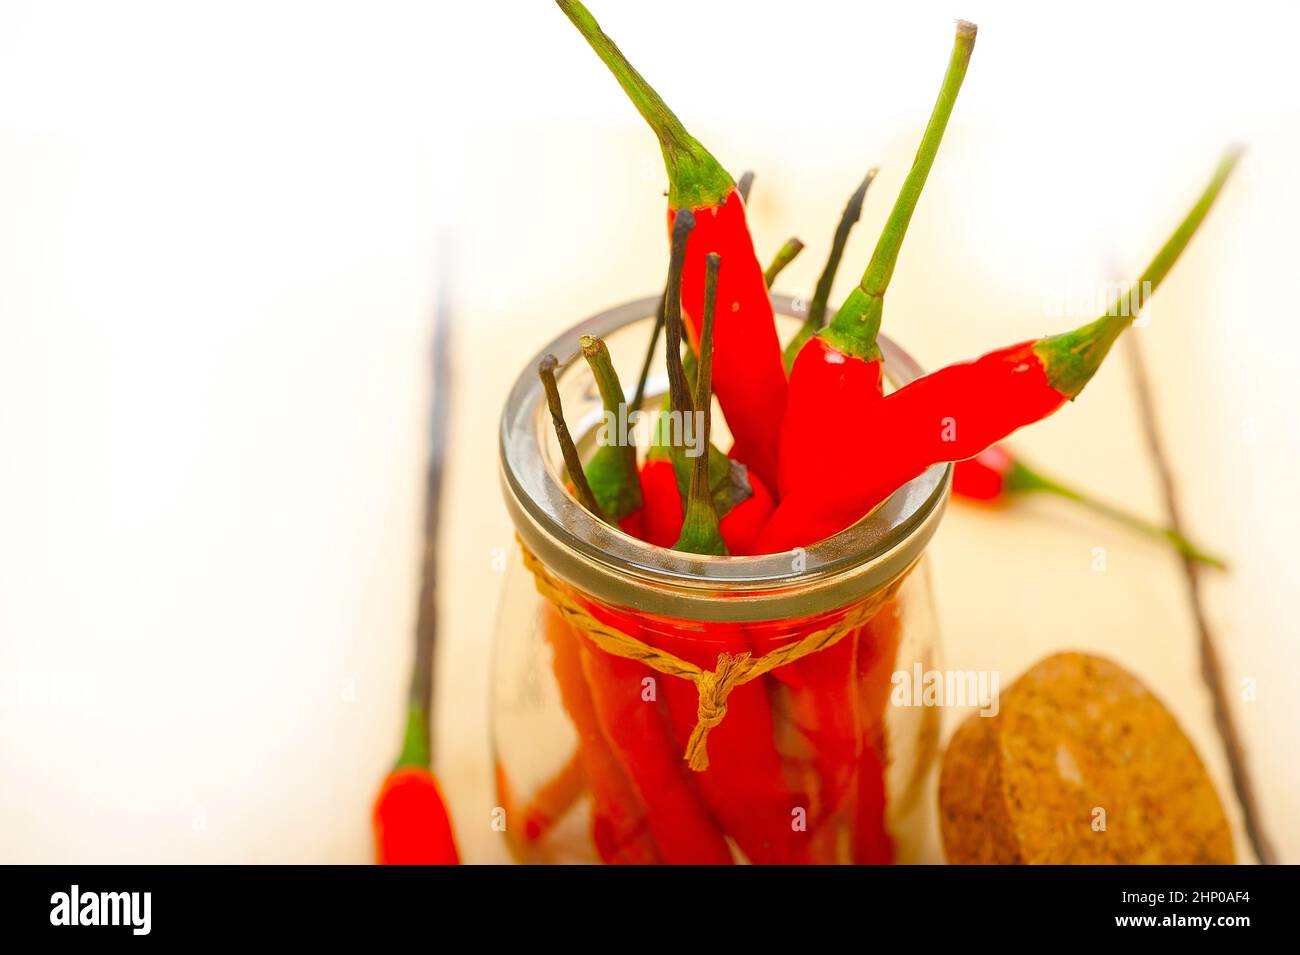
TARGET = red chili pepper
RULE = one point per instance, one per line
(663, 513)
(784, 256)
(410, 821)
(824, 710)
(840, 368)
(956, 412)
(994, 475)
(748, 375)
(823, 380)
(663, 502)
(985, 476)
(643, 739)
(742, 526)
(409, 818)
(746, 786)
(877, 652)
(553, 800)
(619, 827)
(638, 729)
(838, 371)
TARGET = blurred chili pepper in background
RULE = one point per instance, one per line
(995, 475)
(410, 821)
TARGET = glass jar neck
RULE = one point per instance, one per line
(612, 566)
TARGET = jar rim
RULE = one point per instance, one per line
(611, 565)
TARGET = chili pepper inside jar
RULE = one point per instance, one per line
(646, 706)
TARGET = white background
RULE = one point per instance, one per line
(218, 230)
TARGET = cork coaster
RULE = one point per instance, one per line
(1081, 765)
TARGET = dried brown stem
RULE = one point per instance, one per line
(1211, 666)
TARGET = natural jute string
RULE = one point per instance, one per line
(713, 686)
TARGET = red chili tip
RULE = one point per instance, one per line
(410, 820)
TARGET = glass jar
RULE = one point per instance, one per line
(610, 653)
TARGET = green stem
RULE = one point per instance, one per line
(611, 471)
(572, 462)
(1023, 479)
(700, 532)
(853, 329)
(415, 744)
(695, 178)
(1072, 358)
(821, 295)
(784, 256)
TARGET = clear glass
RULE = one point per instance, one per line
(810, 762)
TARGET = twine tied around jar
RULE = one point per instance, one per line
(731, 669)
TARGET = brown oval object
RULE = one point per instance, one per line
(1081, 765)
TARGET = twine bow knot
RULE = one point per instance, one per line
(714, 686)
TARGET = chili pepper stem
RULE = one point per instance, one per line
(639, 397)
(679, 388)
(853, 329)
(700, 530)
(695, 178)
(728, 478)
(572, 462)
(1023, 479)
(1072, 358)
(415, 744)
(821, 295)
(744, 184)
(784, 256)
(611, 472)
